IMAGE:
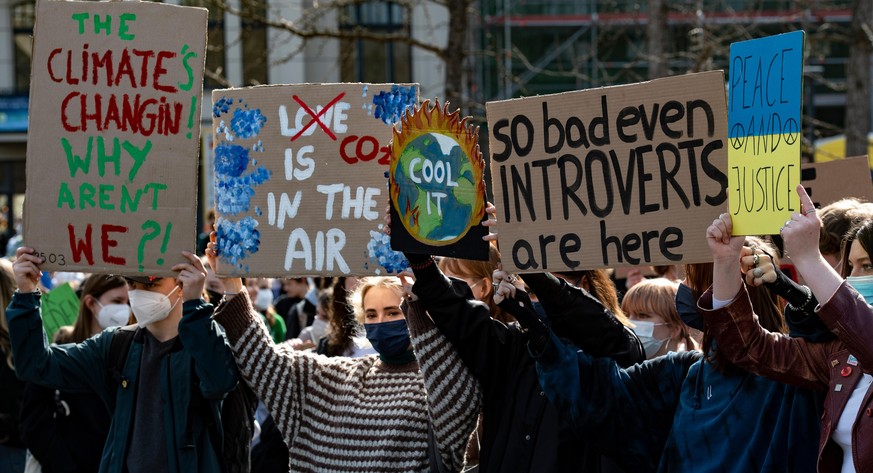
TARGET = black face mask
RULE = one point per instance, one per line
(214, 296)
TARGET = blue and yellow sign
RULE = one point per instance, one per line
(764, 129)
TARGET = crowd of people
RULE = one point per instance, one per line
(756, 362)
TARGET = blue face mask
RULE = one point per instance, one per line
(864, 286)
(390, 339)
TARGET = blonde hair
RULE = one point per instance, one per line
(356, 298)
(657, 296)
(7, 287)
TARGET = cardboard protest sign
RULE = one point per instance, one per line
(300, 178)
(764, 115)
(834, 180)
(437, 185)
(60, 307)
(615, 176)
(113, 139)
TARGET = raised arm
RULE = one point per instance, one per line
(453, 393)
(625, 413)
(486, 346)
(70, 367)
(729, 318)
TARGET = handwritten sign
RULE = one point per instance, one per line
(301, 178)
(60, 307)
(606, 177)
(831, 181)
(437, 185)
(764, 116)
(114, 134)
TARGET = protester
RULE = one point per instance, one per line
(477, 275)
(178, 358)
(837, 219)
(262, 300)
(65, 431)
(292, 291)
(12, 452)
(344, 333)
(650, 305)
(311, 336)
(375, 413)
(838, 366)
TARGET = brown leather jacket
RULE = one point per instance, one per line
(813, 365)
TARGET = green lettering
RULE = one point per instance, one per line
(138, 155)
(86, 195)
(102, 25)
(156, 187)
(80, 18)
(103, 158)
(105, 190)
(75, 161)
(65, 197)
(128, 202)
(122, 26)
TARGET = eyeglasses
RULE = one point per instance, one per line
(147, 281)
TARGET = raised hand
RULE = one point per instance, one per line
(801, 232)
(491, 223)
(232, 285)
(723, 246)
(757, 266)
(192, 275)
(26, 269)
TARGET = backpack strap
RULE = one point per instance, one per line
(119, 347)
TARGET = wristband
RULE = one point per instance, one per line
(422, 265)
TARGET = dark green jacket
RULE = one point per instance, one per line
(85, 367)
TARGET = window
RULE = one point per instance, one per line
(365, 60)
(22, 32)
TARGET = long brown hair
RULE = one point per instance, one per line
(765, 304)
(480, 270)
(95, 286)
(7, 287)
(341, 320)
(863, 233)
(601, 287)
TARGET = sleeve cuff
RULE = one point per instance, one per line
(235, 315)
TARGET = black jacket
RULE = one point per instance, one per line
(522, 429)
(64, 431)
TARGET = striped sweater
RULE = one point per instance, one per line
(358, 414)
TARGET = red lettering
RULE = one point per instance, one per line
(385, 160)
(70, 78)
(49, 65)
(106, 243)
(374, 148)
(363, 154)
(143, 74)
(64, 120)
(82, 246)
(160, 70)
(343, 154)
(125, 69)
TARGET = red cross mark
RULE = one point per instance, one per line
(316, 117)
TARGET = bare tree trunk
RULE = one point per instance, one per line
(456, 50)
(656, 31)
(858, 121)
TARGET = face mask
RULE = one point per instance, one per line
(113, 315)
(263, 299)
(214, 296)
(150, 307)
(864, 286)
(390, 339)
(645, 331)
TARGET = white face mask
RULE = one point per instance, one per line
(113, 315)
(263, 299)
(645, 331)
(150, 307)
